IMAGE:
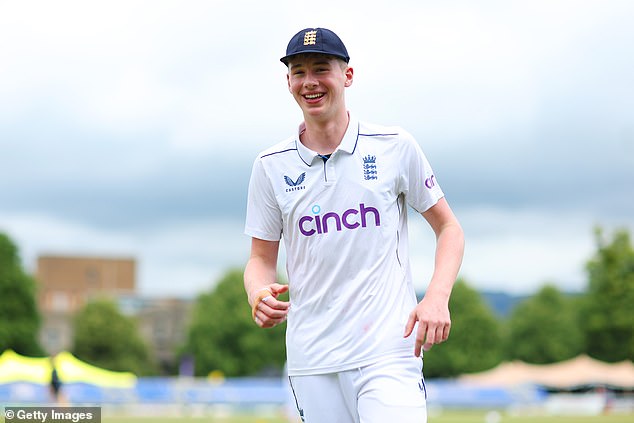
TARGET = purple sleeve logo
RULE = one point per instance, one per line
(430, 182)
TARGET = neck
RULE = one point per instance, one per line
(325, 136)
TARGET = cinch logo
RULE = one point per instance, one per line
(350, 219)
(430, 182)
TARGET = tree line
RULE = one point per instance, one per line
(547, 327)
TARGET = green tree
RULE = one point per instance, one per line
(543, 328)
(608, 316)
(222, 335)
(475, 339)
(106, 338)
(19, 316)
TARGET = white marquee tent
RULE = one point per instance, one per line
(577, 372)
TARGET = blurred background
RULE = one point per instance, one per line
(127, 134)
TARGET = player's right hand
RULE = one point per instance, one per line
(267, 310)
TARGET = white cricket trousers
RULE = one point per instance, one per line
(391, 391)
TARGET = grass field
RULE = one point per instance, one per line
(448, 417)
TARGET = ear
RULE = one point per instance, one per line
(288, 82)
(349, 76)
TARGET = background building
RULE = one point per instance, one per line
(66, 284)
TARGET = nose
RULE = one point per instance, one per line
(309, 80)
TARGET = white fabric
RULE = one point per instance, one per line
(344, 225)
(392, 391)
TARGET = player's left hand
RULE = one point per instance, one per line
(434, 323)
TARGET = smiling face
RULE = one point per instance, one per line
(318, 82)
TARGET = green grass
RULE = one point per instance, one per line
(479, 417)
(447, 417)
(235, 419)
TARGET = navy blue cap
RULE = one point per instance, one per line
(316, 40)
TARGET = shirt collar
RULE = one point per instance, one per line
(348, 143)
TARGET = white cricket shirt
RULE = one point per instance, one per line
(344, 225)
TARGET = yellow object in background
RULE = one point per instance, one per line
(17, 368)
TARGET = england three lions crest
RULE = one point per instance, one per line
(369, 168)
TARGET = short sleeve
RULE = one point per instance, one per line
(264, 218)
(417, 180)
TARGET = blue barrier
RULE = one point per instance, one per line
(248, 392)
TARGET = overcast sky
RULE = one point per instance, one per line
(128, 128)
